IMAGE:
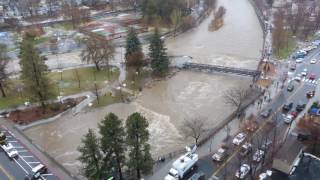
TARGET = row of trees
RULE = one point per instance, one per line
(157, 53)
(294, 20)
(118, 149)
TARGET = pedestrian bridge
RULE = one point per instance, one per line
(222, 69)
(185, 62)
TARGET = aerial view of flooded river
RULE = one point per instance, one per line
(168, 103)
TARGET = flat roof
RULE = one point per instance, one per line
(290, 150)
(307, 169)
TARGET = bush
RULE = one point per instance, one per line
(188, 22)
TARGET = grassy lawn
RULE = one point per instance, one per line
(11, 101)
(68, 85)
(136, 81)
(107, 99)
(87, 76)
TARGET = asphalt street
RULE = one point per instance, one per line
(21, 166)
(277, 130)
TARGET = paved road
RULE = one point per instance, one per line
(278, 127)
(21, 166)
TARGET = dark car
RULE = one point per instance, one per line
(287, 107)
(300, 107)
(197, 176)
(290, 88)
(266, 113)
(310, 94)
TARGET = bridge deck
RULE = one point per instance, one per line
(223, 69)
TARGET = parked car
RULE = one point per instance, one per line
(312, 77)
(245, 149)
(290, 87)
(288, 119)
(297, 78)
(294, 114)
(304, 72)
(310, 94)
(266, 144)
(9, 150)
(300, 107)
(258, 155)
(197, 176)
(299, 60)
(293, 67)
(243, 171)
(220, 155)
(38, 170)
(239, 139)
(287, 107)
(266, 113)
(313, 61)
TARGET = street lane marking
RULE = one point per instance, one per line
(6, 173)
(22, 150)
(26, 162)
(26, 156)
(19, 147)
(33, 162)
(258, 130)
(21, 166)
(12, 141)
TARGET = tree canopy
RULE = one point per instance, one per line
(158, 55)
(34, 72)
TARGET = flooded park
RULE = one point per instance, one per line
(169, 102)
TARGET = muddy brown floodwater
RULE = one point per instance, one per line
(168, 103)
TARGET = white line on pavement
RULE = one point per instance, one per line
(26, 156)
(12, 141)
(33, 162)
(21, 166)
(26, 162)
(22, 150)
(19, 147)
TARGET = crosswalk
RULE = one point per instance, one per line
(311, 82)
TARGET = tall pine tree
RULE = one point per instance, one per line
(140, 159)
(134, 55)
(34, 72)
(113, 142)
(158, 55)
(91, 157)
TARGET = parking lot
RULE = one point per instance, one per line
(21, 166)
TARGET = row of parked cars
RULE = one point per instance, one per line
(246, 149)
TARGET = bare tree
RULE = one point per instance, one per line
(4, 76)
(296, 19)
(74, 12)
(280, 34)
(98, 52)
(194, 128)
(310, 125)
(176, 18)
(235, 97)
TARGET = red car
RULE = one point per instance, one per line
(312, 77)
(294, 114)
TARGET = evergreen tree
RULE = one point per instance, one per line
(113, 142)
(134, 55)
(4, 76)
(139, 150)
(158, 55)
(34, 72)
(91, 157)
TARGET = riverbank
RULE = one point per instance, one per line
(168, 103)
